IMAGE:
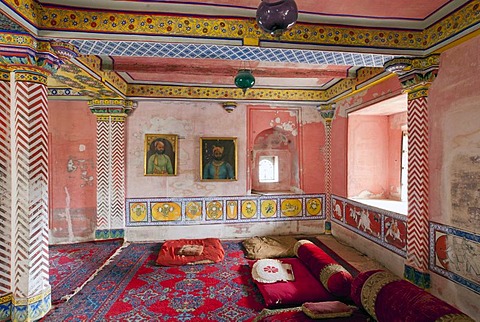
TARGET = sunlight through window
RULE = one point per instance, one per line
(268, 169)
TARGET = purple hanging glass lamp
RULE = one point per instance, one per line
(277, 16)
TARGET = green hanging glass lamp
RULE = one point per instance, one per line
(244, 80)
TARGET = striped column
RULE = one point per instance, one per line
(327, 112)
(5, 198)
(29, 195)
(111, 116)
(25, 63)
(416, 76)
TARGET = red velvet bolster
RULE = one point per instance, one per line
(357, 284)
(389, 298)
(404, 301)
(332, 275)
(305, 288)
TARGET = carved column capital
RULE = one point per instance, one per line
(34, 60)
(415, 73)
(112, 106)
(327, 111)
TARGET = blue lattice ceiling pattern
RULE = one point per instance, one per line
(242, 53)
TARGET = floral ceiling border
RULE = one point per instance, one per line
(244, 30)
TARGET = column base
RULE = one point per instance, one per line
(328, 227)
(5, 307)
(31, 309)
(421, 279)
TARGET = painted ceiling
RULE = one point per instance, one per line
(193, 49)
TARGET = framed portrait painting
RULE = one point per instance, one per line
(160, 154)
(218, 158)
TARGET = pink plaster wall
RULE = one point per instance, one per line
(386, 89)
(454, 138)
(396, 123)
(190, 121)
(275, 131)
(368, 156)
(313, 167)
(72, 166)
(339, 155)
(454, 163)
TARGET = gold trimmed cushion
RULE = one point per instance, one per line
(372, 286)
(300, 243)
(326, 310)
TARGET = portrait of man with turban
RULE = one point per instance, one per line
(217, 166)
(160, 156)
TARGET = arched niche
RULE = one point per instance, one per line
(283, 147)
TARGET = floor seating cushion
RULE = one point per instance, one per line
(297, 314)
(190, 251)
(334, 277)
(387, 297)
(304, 288)
(269, 247)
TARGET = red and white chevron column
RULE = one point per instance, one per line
(416, 76)
(103, 171)
(418, 215)
(111, 117)
(118, 171)
(29, 197)
(110, 173)
(328, 176)
(327, 111)
(5, 194)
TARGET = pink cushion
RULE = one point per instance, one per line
(336, 279)
(326, 310)
(305, 288)
(295, 314)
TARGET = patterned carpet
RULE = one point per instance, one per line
(133, 288)
(71, 265)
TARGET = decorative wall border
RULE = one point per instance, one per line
(463, 258)
(223, 210)
(109, 234)
(386, 228)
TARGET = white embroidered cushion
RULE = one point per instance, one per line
(271, 271)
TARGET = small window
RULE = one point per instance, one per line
(268, 169)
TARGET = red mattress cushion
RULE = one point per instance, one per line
(170, 255)
(305, 288)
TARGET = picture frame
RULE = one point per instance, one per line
(218, 158)
(160, 164)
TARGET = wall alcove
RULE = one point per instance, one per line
(275, 162)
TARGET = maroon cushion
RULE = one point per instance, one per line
(305, 288)
(408, 302)
(387, 297)
(336, 279)
(357, 284)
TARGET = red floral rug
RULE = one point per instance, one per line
(133, 288)
(71, 265)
